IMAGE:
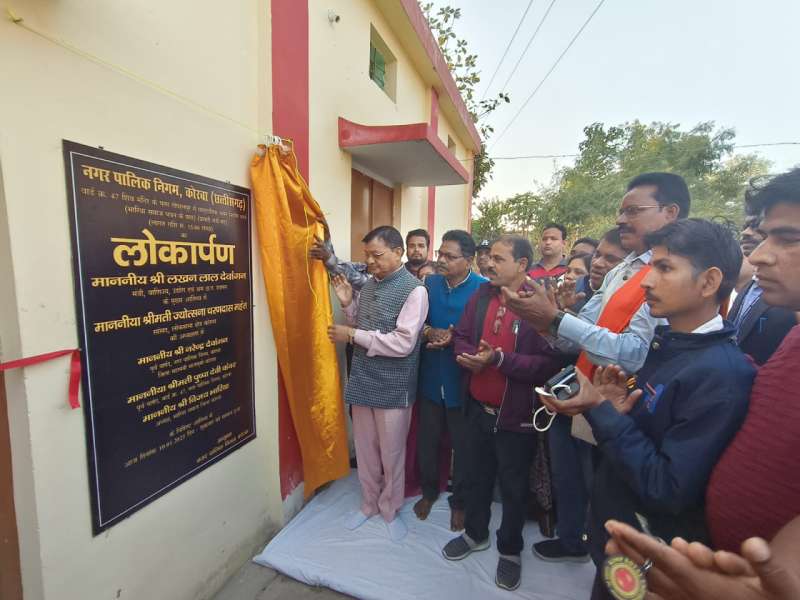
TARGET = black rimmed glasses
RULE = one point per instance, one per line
(447, 257)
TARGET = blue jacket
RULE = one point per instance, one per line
(440, 375)
(657, 459)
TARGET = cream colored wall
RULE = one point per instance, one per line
(185, 544)
(452, 201)
(340, 86)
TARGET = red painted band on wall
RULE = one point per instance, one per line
(290, 98)
(290, 70)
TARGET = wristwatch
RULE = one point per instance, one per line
(351, 335)
(557, 322)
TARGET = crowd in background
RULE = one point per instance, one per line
(638, 391)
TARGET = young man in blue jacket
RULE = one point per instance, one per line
(441, 405)
(661, 433)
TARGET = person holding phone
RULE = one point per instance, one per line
(661, 432)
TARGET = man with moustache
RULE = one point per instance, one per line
(571, 462)
(748, 241)
(615, 326)
(760, 328)
(607, 255)
(551, 249)
(417, 243)
(753, 498)
(441, 406)
(482, 256)
(504, 358)
(661, 433)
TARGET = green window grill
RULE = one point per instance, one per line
(377, 67)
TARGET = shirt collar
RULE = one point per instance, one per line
(400, 268)
(714, 324)
(563, 263)
(644, 257)
(458, 285)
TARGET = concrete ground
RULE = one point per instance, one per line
(254, 582)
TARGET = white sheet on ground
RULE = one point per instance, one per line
(316, 549)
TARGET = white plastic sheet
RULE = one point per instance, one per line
(316, 549)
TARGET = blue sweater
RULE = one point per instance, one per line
(657, 459)
(440, 375)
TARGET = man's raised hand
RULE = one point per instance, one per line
(538, 305)
(611, 384)
(475, 363)
(566, 296)
(343, 289)
(318, 251)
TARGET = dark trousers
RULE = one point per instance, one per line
(571, 466)
(433, 419)
(505, 455)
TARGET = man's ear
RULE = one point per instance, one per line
(711, 282)
(398, 251)
(672, 211)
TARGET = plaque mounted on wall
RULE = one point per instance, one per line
(163, 286)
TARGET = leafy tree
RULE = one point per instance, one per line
(490, 222)
(463, 67)
(586, 196)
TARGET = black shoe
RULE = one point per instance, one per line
(508, 574)
(459, 548)
(554, 551)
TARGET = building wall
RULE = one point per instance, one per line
(452, 201)
(340, 87)
(185, 544)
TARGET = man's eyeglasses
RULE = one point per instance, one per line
(448, 257)
(633, 211)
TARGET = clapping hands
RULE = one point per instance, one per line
(475, 363)
(609, 383)
(439, 338)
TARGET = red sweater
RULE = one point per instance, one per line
(539, 272)
(755, 487)
(489, 385)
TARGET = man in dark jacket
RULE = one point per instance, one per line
(504, 358)
(660, 441)
(760, 328)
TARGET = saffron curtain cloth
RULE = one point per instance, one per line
(288, 217)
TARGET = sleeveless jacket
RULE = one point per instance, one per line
(382, 381)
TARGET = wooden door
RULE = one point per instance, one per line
(10, 577)
(371, 205)
(382, 204)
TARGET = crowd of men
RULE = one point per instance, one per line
(676, 454)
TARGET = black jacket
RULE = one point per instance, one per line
(763, 328)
